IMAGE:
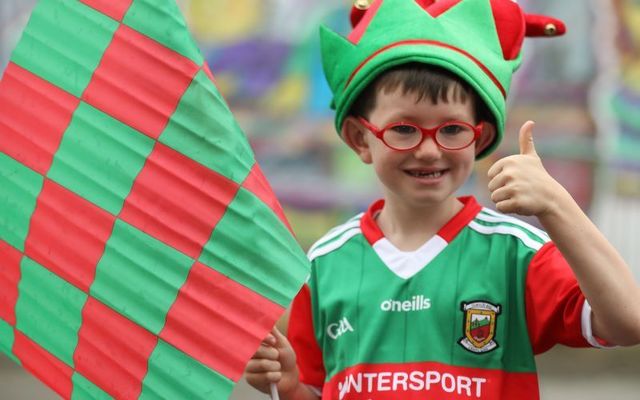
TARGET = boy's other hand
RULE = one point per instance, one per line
(274, 362)
(519, 183)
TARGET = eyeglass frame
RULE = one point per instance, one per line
(426, 132)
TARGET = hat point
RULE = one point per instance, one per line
(362, 4)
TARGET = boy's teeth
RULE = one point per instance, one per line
(435, 174)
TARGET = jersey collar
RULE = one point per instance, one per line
(471, 208)
(406, 264)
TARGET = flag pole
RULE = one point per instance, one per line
(274, 392)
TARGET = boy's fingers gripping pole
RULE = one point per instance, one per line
(526, 139)
(274, 392)
(276, 339)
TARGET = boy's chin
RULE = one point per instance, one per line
(435, 199)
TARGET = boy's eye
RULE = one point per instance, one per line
(404, 129)
(453, 129)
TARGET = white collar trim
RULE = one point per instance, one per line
(406, 264)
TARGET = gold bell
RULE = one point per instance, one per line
(550, 29)
(362, 4)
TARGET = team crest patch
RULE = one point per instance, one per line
(479, 326)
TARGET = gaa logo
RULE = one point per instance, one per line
(479, 326)
(337, 329)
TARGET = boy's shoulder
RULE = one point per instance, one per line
(487, 223)
(490, 222)
(336, 237)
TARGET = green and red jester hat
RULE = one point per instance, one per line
(478, 40)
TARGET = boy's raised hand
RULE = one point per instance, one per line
(274, 362)
(519, 183)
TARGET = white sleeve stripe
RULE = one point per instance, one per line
(587, 327)
(487, 213)
(335, 232)
(342, 226)
(356, 217)
(348, 222)
(492, 216)
(506, 230)
(320, 251)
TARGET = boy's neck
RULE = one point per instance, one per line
(408, 227)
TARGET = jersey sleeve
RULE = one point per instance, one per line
(555, 305)
(303, 340)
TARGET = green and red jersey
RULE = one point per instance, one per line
(459, 318)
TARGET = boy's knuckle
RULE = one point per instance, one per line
(273, 376)
(508, 175)
(512, 160)
(265, 364)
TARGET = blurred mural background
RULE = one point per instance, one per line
(583, 90)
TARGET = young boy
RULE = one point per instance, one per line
(427, 295)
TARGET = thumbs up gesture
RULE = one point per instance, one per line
(519, 183)
(526, 139)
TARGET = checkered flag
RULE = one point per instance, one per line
(142, 252)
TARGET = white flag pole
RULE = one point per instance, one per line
(274, 392)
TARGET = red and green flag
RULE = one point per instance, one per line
(142, 252)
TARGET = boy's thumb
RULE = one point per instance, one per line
(526, 138)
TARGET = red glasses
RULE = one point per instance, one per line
(403, 136)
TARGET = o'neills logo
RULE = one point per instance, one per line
(417, 303)
(479, 326)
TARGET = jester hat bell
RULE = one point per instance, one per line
(478, 40)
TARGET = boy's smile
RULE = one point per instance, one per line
(421, 173)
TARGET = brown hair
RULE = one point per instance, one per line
(426, 81)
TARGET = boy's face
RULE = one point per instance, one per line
(426, 175)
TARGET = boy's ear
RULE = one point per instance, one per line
(354, 135)
(486, 138)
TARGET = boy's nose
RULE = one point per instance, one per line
(428, 149)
